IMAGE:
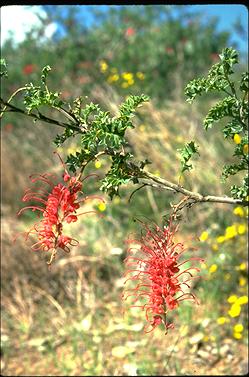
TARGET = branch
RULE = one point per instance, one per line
(195, 197)
(38, 116)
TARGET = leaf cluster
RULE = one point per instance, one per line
(233, 107)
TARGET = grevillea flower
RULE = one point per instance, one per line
(58, 204)
(162, 281)
(29, 68)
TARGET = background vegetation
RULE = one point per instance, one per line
(69, 320)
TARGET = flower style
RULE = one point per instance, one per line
(58, 204)
(156, 269)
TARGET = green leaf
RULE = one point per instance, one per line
(186, 153)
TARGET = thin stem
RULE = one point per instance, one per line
(38, 116)
(11, 97)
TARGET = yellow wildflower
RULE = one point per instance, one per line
(238, 211)
(227, 276)
(102, 207)
(238, 328)
(245, 149)
(124, 85)
(235, 310)
(103, 66)
(232, 299)
(222, 320)
(130, 82)
(221, 239)
(237, 335)
(241, 229)
(98, 164)
(215, 247)
(242, 300)
(113, 78)
(242, 266)
(231, 232)
(127, 76)
(142, 127)
(242, 282)
(237, 139)
(204, 236)
(140, 75)
(213, 268)
(206, 338)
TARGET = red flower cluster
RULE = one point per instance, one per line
(29, 68)
(156, 269)
(58, 207)
(130, 32)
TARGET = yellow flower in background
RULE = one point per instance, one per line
(215, 247)
(221, 239)
(124, 85)
(130, 82)
(103, 66)
(245, 149)
(142, 127)
(239, 211)
(97, 164)
(114, 70)
(140, 75)
(213, 268)
(238, 328)
(241, 229)
(242, 282)
(237, 335)
(204, 236)
(227, 276)
(102, 207)
(237, 139)
(231, 231)
(222, 320)
(242, 300)
(242, 266)
(232, 299)
(113, 78)
(127, 76)
(235, 310)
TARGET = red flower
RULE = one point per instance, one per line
(169, 50)
(161, 283)
(129, 32)
(28, 69)
(58, 204)
(8, 127)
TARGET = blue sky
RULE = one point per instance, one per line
(227, 15)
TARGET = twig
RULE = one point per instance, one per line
(194, 196)
(38, 116)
